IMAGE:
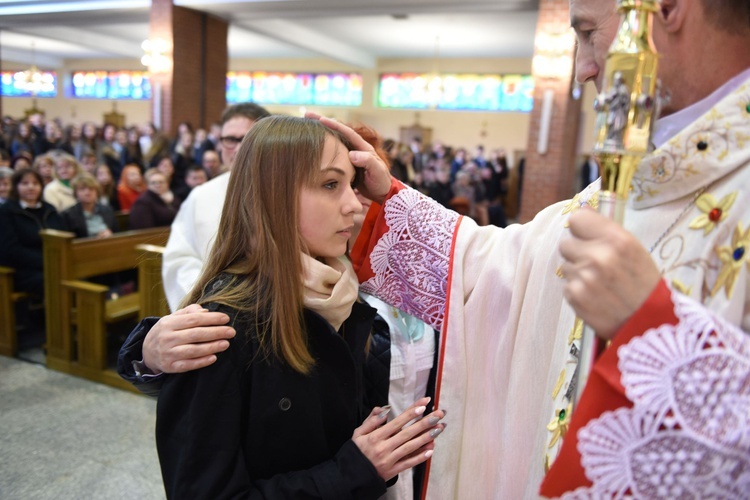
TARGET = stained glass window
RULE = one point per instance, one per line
(472, 92)
(14, 84)
(301, 89)
(111, 85)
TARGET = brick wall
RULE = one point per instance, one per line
(548, 178)
(194, 89)
(217, 65)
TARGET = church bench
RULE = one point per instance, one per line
(78, 311)
(8, 300)
(123, 219)
(151, 290)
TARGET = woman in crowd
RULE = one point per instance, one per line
(87, 142)
(5, 175)
(108, 150)
(130, 187)
(182, 128)
(88, 162)
(22, 140)
(157, 206)
(88, 217)
(277, 414)
(153, 143)
(59, 192)
(164, 165)
(50, 139)
(22, 160)
(107, 188)
(182, 160)
(71, 136)
(21, 219)
(45, 165)
(132, 152)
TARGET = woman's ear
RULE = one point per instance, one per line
(672, 13)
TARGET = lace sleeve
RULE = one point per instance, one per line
(687, 434)
(410, 261)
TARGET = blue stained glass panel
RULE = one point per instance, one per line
(111, 85)
(300, 89)
(13, 84)
(472, 92)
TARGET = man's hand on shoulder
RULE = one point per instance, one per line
(186, 340)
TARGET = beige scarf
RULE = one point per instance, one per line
(330, 288)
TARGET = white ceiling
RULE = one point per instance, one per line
(356, 32)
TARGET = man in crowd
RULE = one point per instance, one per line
(665, 413)
(211, 163)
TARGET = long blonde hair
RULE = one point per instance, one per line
(258, 243)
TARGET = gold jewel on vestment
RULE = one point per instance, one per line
(559, 424)
(713, 211)
(732, 259)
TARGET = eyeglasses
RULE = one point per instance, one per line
(230, 141)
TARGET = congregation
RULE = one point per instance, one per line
(474, 184)
(95, 181)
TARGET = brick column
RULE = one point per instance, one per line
(193, 88)
(549, 176)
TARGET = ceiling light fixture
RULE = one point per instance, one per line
(32, 80)
(553, 56)
(156, 55)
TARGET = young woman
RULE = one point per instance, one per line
(23, 160)
(5, 175)
(59, 192)
(107, 188)
(45, 165)
(88, 217)
(277, 415)
(130, 187)
(87, 141)
(22, 140)
(132, 153)
(157, 206)
(21, 219)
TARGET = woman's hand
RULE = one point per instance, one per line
(394, 446)
(186, 340)
(377, 178)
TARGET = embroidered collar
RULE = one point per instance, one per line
(669, 126)
(704, 151)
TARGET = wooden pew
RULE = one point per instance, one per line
(153, 302)
(67, 263)
(8, 300)
(123, 219)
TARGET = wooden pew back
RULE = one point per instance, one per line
(153, 302)
(67, 261)
(8, 299)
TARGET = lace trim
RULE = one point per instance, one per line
(411, 261)
(688, 433)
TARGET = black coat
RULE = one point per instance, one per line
(21, 246)
(251, 427)
(75, 220)
(149, 210)
(376, 373)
